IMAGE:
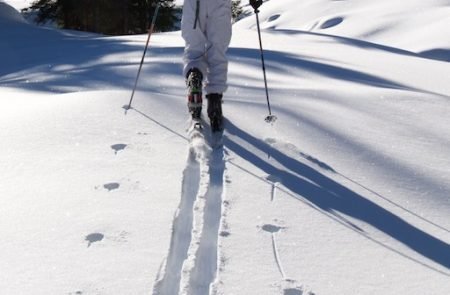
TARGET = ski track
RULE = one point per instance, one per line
(206, 264)
(192, 262)
(181, 230)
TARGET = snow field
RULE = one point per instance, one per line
(348, 192)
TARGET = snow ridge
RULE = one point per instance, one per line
(192, 263)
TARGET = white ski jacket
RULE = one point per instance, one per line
(206, 29)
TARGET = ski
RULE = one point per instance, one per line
(197, 124)
(211, 133)
(216, 134)
(217, 139)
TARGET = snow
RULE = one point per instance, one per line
(19, 4)
(348, 192)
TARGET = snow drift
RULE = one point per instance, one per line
(417, 26)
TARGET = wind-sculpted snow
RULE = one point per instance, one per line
(393, 23)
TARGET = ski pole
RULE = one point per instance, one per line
(255, 4)
(150, 31)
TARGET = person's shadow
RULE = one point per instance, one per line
(336, 200)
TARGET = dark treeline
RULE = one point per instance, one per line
(111, 17)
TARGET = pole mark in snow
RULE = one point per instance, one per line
(118, 147)
(277, 256)
(275, 181)
(273, 229)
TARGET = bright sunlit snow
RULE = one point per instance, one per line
(348, 192)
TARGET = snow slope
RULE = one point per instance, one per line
(19, 4)
(418, 26)
(347, 193)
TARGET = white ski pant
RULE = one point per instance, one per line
(206, 29)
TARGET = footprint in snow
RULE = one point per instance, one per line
(224, 233)
(273, 17)
(291, 287)
(332, 22)
(93, 238)
(292, 292)
(270, 228)
(111, 186)
(273, 178)
(118, 147)
(270, 140)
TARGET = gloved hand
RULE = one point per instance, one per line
(256, 4)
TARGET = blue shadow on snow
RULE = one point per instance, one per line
(333, 198)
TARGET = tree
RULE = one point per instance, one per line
(236, 9)
(107, 17)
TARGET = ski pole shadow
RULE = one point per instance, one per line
(335, 200)
(324, 166)
(158, 123)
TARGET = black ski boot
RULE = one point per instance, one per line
(194, 81)
(215, 111)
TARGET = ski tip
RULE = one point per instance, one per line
(195, 125)
(198, 125)
(271, 119)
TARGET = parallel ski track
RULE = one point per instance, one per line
(192, 262)
(205, 269)
(181, 230)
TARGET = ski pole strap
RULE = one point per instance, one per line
(197, 12)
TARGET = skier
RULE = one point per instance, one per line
(206, 29)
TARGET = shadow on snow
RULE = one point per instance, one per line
(333, 198)
(330, 197)
(49, 60)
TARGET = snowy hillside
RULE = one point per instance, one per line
(414, 25)
(348, 192)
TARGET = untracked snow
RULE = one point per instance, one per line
(348, 192)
